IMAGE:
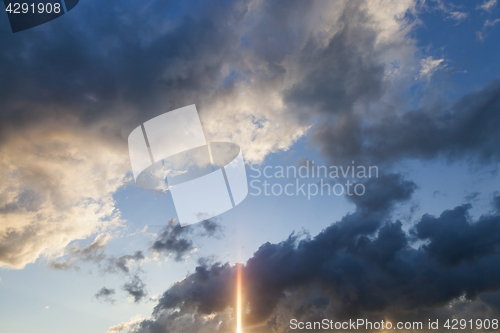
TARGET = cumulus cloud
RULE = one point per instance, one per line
(73, 96)
(364, 265)
(57, 186)
(125, 325)
(466, 129)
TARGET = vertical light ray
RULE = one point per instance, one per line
(238, 298)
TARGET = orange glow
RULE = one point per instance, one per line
(238, 299)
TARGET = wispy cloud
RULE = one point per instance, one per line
(488, 5)
(105, 295)
(459, 16)
(429, 66)
(490, 23)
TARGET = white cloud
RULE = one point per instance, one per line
(490, 23)
(458, 16)
(429, 66)
(488, 5)
(125, 325)
(58, 181)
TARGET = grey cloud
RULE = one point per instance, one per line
(62, 265)
(172, 240)
(249, 72)
(467, 129)
(383, 192)
(496, 202)
(175, 240)
(121, 264)
(135, 288)
(91, 70)
(454, 239)
(106, 295)
(473, 196)
(94, 252)
(342, 73)
(211, 228)
(363, 265)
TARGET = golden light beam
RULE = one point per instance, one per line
(238, 298)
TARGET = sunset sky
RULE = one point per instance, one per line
(411, 87)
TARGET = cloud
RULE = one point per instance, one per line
(105, 295)
(58, 186)
(491, 23)
(74, 95)
(175, 240)
(93, 252)
(171, 240)
(465, 130)
(122, 264)
(488, 5)
(365, 265)
(135, 288)
(430, 66)
(472, 197)
(240, 78)
(459, 16)
(496, 202)
(125, 325)
(453, 239)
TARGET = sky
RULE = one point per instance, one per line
(410, 88)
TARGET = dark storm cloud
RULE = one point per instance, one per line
(176, 240)
(135, 288)
(343, 72)
(105, 295)
(496, 202)
(363, 264)
(382, 193)
(454, 239)
(104, 57)
(467, 129)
